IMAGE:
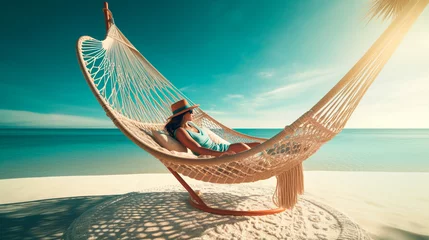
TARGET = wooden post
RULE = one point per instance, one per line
(107, 15)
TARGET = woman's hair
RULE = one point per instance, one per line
(174, 124)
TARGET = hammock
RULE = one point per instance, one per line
(137, 98)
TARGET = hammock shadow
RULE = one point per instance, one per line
(150, 215)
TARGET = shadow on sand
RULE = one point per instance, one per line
(150, 215)
(159, 214)
(164, 215)
(389, 233)
(44, 219)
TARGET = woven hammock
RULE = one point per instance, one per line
(137, 98)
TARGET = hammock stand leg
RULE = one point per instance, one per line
(198, 203)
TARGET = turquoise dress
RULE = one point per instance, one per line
(204, 139)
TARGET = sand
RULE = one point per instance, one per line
(386, 205)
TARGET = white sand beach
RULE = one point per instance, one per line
(386, 205)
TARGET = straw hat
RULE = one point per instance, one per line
(180, 107)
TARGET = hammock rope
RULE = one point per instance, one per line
(137, 97)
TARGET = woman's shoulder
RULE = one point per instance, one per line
(179, 130)
(182, 133)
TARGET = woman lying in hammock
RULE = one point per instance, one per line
(181, 127)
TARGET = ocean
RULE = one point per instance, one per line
(71, 152)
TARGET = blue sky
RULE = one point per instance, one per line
(262, 64)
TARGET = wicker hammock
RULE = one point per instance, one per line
(137, 98)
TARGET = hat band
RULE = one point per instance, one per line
(181, 109)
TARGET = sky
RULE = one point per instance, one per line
(249, 64)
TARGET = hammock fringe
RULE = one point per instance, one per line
(289, 185)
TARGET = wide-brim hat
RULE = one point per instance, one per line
(180, 107)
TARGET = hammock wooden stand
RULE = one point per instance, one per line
(197, 202)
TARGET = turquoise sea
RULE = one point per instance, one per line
(71, 152)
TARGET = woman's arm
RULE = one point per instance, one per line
(190, 143)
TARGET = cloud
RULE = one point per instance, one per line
(293, 88)
(14, 118)
(272, 118)
(401, 104)
(307, 80)
(233, 96)
(281, 73)
(267, 74)
(186, 88)
(214, 112)
(299, 82)
(309, 74)
(267, 108)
